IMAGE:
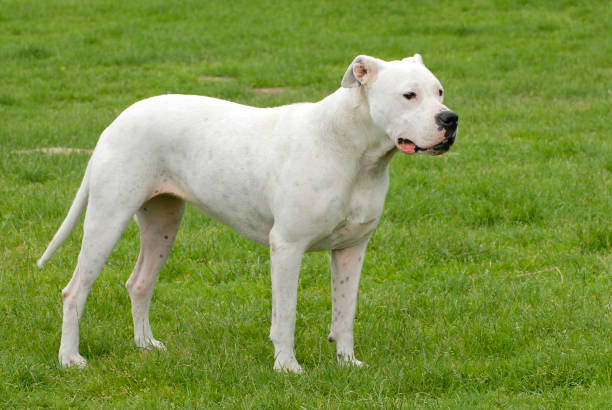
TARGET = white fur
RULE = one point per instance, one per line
(296, 178)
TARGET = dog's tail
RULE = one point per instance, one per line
(74, 214)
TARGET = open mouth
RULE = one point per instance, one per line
(407, 146)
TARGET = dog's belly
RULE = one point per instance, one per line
(250, 224)
(248, 214)
(231, 206)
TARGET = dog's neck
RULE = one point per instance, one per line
(347, 113)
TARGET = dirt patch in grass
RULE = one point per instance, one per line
(261, 91)
(55, 150)
(216, 79)
(271, 90)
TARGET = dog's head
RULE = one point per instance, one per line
(405, 100)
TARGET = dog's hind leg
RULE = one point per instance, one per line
(104, 224)
(158, 219)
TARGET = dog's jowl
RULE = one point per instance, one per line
(296, 178)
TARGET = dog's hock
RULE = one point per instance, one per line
(362, 70)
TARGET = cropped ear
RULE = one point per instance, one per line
(414, 59)
(362, 70)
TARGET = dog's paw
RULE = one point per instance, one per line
(72, 360)
(349, 360)
(287, 365)
(150, 344)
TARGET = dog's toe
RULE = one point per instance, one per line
(349, 360)
(291, 366)
(156, 344)
(73, 360)
(150, 343)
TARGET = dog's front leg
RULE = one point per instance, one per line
(346, 269)
(285, 261)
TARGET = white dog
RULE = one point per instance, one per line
(297, 178)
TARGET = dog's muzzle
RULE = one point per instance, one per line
(446, 120)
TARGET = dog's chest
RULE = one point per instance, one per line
(357, 220)
(352, 231)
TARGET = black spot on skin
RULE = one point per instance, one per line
(341, 282)
(165, 236)
(330, 338)
(161, 256)
(347, 278)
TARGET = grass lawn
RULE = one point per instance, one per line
(487, 283)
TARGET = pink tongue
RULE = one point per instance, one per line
(406, 147)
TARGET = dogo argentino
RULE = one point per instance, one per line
(297, 178)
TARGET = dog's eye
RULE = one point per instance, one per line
(410, 95)
(441, 92)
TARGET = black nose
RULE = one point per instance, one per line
(447, 119)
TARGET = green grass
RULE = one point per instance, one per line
(487, 283)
